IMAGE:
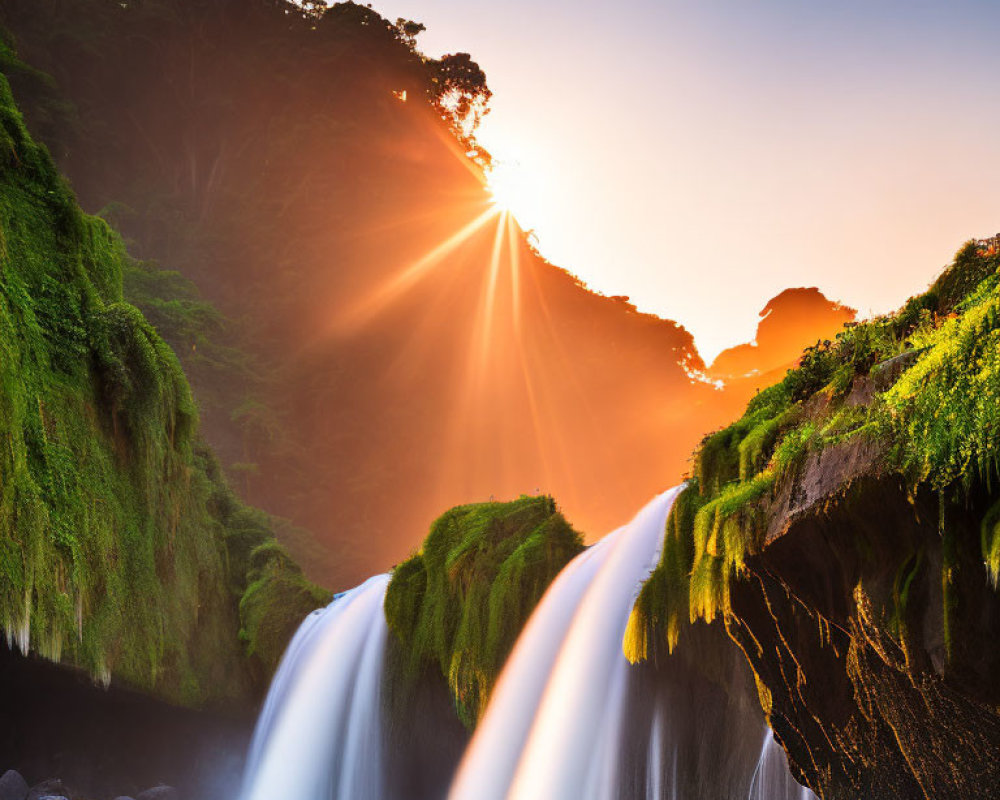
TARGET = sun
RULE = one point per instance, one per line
(512, 188)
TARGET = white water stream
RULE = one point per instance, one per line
(319, 736)
(556, 725)
(551, 730)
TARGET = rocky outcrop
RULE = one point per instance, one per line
(847, 530)
(850, 648)
(124, 556)
(457, 607)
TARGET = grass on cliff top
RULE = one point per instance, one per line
(121, 549)
(933, 369)
(459, 604)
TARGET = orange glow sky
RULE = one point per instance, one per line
(702, 156)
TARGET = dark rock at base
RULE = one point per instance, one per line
(861, 691)
(51, 789)
(13, 786)
(159, 793)
(111, 740)
(123, 797)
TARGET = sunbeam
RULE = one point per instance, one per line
(489, 300)
(515, 273)
(384, 295)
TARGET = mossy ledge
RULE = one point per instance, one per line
(122, 551)
(845, 530)
(458, 605)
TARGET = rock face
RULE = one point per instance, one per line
(847, 529)
(866, 698)
(108, 742)
(13, 786)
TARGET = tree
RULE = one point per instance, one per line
(409, 30)
(459, 91)
(314, 7)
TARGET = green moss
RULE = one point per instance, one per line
(906, 574)
(664, 600)
(937, 423)
(990, 538)
(459, 604)
(944, 413)
(758, 445)
(276, 601)
(121, 549)
(949, 598)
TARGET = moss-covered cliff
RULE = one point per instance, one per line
(459, 604)
(121, 549)
(845, 529)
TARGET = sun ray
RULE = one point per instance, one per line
(391, 289)
(515, 274)
(563, 357)
(489, 300)
(416, 218)
(471, 399)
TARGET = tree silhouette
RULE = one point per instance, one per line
(460, 93)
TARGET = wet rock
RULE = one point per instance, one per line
(13, 786)
(48, 790)
(161, 792)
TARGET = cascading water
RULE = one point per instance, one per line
(319, 735)
(551, 725)
(570, 719)
(563, 715)
(772, 779)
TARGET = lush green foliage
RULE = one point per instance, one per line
(120, 546)
(276, 600)
(932, 375)
(460, 603)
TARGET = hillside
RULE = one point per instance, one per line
(122, 551)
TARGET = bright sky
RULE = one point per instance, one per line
(702, 155)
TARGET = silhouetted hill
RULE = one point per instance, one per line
(788, 323)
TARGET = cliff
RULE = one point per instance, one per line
(122, 551)
(845, 531)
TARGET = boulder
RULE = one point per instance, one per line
(13, 786)
(48, 790)
(159, 793)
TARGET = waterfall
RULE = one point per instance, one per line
(772, 779)
(551, 729)
(319, 735)
(570, 719)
